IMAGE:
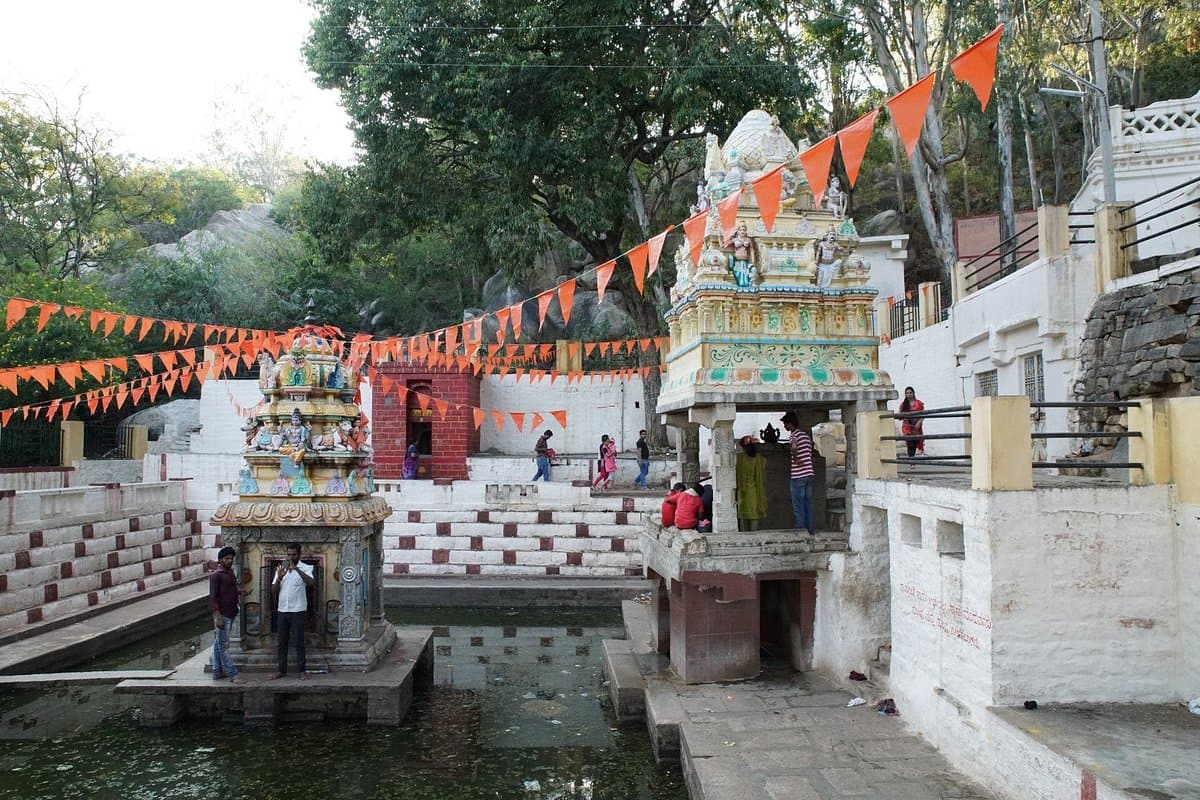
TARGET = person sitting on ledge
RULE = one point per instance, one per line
(668, 505)
(689, 508)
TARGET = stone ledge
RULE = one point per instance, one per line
(291, 513)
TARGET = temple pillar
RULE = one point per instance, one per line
(687, 448)
(719, 419)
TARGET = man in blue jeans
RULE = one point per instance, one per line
(223, 596)
(541, 454)
(643, 460)
(801, 472)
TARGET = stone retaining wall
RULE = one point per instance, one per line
(67, 550)
(1140, 341)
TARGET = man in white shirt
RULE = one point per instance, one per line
(292, 581)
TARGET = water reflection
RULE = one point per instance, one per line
(519, 711)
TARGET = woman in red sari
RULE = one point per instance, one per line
(912, 426)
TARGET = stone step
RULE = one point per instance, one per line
(44, 680)
(626, 686)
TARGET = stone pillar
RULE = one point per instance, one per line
(375, 587)
(1112, 260)
(1054, 237)
(1001, 447)
(71, 442)
(350, 578)
(958, 286)
(568, 356)
(870, 450)
(1153, 448)
(719, 419)
(687, 451)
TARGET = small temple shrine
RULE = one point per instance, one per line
(764, 320)
(308, 479)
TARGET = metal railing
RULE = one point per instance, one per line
(1082, 229)
(963, 460)
(1002, 260)
(1135, 220)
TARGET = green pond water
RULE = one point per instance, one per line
(518, 710)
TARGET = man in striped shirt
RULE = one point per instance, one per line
(801, 473)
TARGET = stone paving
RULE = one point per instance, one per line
(790, 736)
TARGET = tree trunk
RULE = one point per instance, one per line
(1055, 150)
(1035, 187)
(1008, 226)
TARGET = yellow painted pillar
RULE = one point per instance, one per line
(70, 447)
(1112, 260)
(929, 302)
(958, 285)
(870, 449)
(1001, 447)
(1153, 448)
(136, 441)
(1184, 427)
(1054, 235)
(568, 358)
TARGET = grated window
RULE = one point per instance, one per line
(986, 384)
(1031, 369)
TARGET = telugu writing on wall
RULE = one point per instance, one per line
(950, 618)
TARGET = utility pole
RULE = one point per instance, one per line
(1100, 66)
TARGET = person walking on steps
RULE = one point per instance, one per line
(223, 596)
(643, 461)
(541, 454)
(912, 426)
(801, 472)
(293, 579)
(607, 464)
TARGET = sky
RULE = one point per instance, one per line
(150, 71)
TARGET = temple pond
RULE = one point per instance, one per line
(518, 710)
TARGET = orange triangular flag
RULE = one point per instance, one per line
(908, 111)
(127, 325)
(853, 140)
(502, 317)
(70, 373)
(656, 246)
(573, 351)
(816, 161)
(477, 417)
(169, 384)
(535, 421)
(8, 380)
(95, 368)
(145, 361)
(603, 274)
(152, 391)
(637, 263)
(16, 310)
(518, 418)
(145, 327)
(168, 359)
(727, 211)
(693, 229)
(43, 375)
(185, 380)
(560, 417)
(589, 348)
(976, 65)
(5, 416)
(767, 191)
(566, 298)
(605, 348)
(44, 312)
(73, 312)
(498, 419)
(423, 400)
(136, 394)
(451, 340)
(442, 407)
(543, 303)
(110, 323)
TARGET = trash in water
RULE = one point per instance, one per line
(855, 675)
(528, 696)
(1031, 705)
(556, 722)
(206, 749)
(532, 786)
(857, 701)
(1194, 706)
(887, 708)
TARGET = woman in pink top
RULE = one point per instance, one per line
(607, 463)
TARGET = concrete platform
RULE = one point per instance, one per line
(472, 591)
(628, 662)
(46, 680)
(95, 634)
(381, 696)
(1133, 751)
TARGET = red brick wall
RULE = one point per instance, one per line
(454, 438)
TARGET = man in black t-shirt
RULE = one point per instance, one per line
(643, 460)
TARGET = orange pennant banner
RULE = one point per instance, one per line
(816, 161)
(44, 313)
(16, 310)
(603, 275)
(566, 299)
(853, 140)
(543, 303)
(477, 417)
(976, 66)
(908, 111)
(560, 417)
(727, 210)
(655, 251)
(767, 192)
(637, 263)
(694, 229)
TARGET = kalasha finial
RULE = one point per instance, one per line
(310, 318)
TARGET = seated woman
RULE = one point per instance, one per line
(689, 509)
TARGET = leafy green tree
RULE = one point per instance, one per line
(502, 117)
